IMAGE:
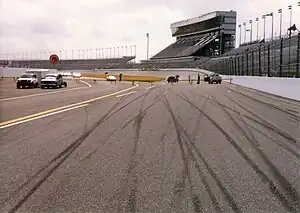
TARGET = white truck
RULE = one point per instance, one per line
(31, 78)
(53, 80)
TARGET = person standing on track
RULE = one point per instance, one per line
(198, 81)
(189, 78)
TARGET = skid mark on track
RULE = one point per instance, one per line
(46, 171)
(282, 145)
(127, 194)
(292, 115)
(291, 193)
(60, 158)
(195, 198)
(258, 119)
(269, 96)
(291, 205)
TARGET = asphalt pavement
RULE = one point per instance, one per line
(160, 148)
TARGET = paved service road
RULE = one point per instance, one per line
(169, 148)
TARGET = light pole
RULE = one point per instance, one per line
(245, 32)
(134, 52)
(240, 26)
(280, 26)
(257, 27)
(250, 30)
(291, 13)
(271, 14)
(290, 35)
(147, 35)
(264, 18)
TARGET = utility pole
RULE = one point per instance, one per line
(240, 26)
(280, 30)
(250, 30)
(147, 35)
(264, 18)
(257, 27)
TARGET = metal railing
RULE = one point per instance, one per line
(278, 58)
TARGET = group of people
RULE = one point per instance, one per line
(198, 78)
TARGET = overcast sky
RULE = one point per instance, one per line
(48, 25)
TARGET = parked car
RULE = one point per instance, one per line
(111, 78)
(173, 79)
(215, 78)
(206, 78)
(53, 80)
(28, 80)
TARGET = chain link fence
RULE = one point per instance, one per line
(278, 58)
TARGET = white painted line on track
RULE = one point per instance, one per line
(118, 96)
(42, 116)
(150, 87)
(46, 93)
(86, 83)
(41, 94)
(6, 123)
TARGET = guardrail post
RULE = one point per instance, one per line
(243, 55)
(252, 64)
(259, 60)
(281, 58)
(232, 66)
(239, 70)
(269, 68)
(298, 58)
(234, 72)
(247, 63)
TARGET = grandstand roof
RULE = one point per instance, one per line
(202, 18)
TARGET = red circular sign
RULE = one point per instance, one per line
(54, 59)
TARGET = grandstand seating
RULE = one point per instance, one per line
(76, 64)
(186, 46)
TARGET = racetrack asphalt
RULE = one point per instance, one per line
(166, 148)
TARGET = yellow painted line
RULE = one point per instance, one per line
(64, 107)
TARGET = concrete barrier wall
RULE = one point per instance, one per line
(285, 87)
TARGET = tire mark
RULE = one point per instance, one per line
(291, 193)
(255, 167)
(264, 122)
(132, 179)
(280, 143)
(179, 186)
(64, 154)
(131, 203)
(292, 115)
(162, 138)
(270, 96)
(120, 195)
(190, 143)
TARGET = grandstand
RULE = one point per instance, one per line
(110, 63)
(208, 35)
